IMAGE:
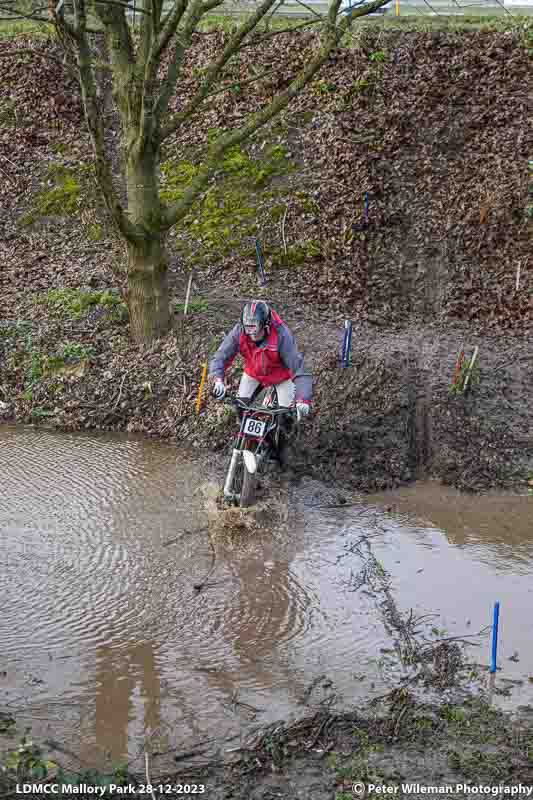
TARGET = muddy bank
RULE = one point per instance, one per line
(422, 281)
(388, 419)
(399, 742)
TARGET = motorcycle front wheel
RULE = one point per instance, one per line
(248, 481)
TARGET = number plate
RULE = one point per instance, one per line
(254, 427)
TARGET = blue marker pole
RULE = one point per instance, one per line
(347, 344)
(495, 636)
(343, 348)
(260, 263)
(366, 208)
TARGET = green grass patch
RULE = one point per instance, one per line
(11, 28)
(76, 302)
(95, 232)
(67, 359)
(226, 215)
(8, 113)
(196, 306)
(322, 87)
(296, 254)
(66, 193)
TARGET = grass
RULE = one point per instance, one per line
(411, 18)
(75, 302)
(196, 304)
(23, 27)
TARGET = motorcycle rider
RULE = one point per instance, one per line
(271, 358)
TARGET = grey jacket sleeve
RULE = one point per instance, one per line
(294, 361)
(225, 353)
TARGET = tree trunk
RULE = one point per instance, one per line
(148, 297)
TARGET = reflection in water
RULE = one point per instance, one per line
(100, 560)
(500, 527)
(116, 678)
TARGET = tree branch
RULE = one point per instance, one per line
(95, 124)
(169, 27)
(214, 71)
(148, 26)
(191, 19)
(119, 40)
(146, 71)
(332, 35)
(310, 9)
(279, 31)
(229, 85)
(123, 4)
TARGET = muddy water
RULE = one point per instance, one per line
(106, 642)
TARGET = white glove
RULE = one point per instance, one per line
(219, 389)
(302, 410)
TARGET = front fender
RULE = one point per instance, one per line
(250, 461)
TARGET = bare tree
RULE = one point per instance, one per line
(141, 98)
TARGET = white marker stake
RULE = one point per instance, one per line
(188, 294)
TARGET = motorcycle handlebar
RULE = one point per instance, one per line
(237, 402)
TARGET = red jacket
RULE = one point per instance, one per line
(275, 360)
(264, 362)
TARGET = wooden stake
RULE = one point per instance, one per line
(283, 230)
(201, 389)
(470, 367)
(188, 295)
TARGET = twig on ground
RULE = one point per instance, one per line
(399, 719)
(308, 691)
(200, 585)
(12, 182)
(185, 533)
(5, 158)
(191, 754)
(247, 706)
(318, 733)
(148, 781)
(120, 389)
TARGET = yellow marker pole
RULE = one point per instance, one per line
(201, 389)
(397, 8)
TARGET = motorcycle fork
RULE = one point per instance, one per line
(235, 456)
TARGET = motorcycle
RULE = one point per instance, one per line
(256, 444)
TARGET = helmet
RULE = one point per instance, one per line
(256, 317)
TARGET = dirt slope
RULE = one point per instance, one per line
(434, 126)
